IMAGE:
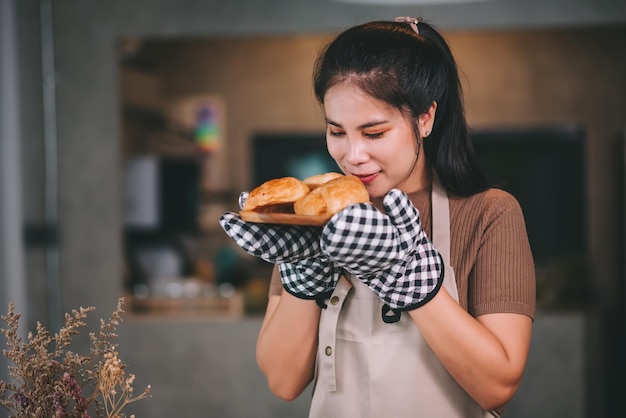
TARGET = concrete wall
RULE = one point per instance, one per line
(207, 369)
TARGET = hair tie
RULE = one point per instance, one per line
(412, 21)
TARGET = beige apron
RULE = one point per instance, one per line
(368, 368)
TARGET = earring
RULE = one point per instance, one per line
(426, 134)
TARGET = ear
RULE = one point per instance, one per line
(426, 120)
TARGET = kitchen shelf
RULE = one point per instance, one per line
(187, 307)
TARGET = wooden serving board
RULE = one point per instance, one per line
(284, 218)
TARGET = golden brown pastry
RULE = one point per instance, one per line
(276, 195)
(318, 179)
(332, 196)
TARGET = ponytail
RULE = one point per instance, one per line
(409, 71)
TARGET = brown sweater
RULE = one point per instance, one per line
(489, 252)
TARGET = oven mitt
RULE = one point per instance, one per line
(304, 270)
(389, 251)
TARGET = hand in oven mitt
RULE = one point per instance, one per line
(389, 251)
(304, 270)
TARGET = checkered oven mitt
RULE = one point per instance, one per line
(389, 251)
(305, 271)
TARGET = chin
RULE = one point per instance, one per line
(376, 192)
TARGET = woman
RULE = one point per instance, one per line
(425, 304)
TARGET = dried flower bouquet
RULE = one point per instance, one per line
(51, 381)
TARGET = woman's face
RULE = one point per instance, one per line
(372, 140)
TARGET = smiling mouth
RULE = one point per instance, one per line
(368, 178)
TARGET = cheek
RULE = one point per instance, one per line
(399, 158)
(335, 150)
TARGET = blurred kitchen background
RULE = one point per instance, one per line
(128, 127)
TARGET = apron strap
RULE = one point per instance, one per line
(440, 219)
(441, 233)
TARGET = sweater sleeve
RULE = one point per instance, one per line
(503, 276)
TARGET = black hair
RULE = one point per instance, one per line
(410, 71)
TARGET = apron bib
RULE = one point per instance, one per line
(368, 368)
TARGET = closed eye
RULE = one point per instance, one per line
(373, 135)
(336, 134)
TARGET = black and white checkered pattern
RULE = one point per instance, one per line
(309, 279)
(388, 251)
(305, 271)
(273, 243)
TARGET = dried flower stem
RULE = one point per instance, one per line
(49, 380)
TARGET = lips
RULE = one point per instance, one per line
(366, 178)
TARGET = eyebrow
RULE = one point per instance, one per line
(364, 126)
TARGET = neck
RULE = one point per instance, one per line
(418, 178)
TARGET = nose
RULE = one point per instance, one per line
(356, 152)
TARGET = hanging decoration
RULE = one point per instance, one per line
(208, 127)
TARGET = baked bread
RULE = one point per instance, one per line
(318, 179)
(332, 196)
(276, 195)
